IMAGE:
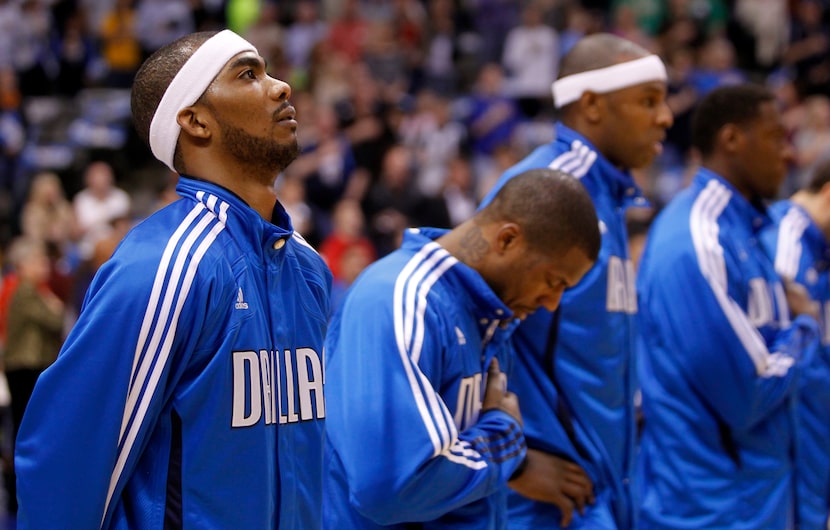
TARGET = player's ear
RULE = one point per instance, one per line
(592, 106)
(731, 137)
(194, 121)
(507, 237)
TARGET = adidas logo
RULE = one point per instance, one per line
(240, 301)
(462, 340)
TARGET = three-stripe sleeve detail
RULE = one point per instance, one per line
(171, 286)
(705, 230)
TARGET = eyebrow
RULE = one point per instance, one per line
(245, 60)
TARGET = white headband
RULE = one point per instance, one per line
(570, 88)
(188, 86)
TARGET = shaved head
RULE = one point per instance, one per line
(599, 50)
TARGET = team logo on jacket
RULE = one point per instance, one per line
(240, 300)
(277, 387)
(462, 340)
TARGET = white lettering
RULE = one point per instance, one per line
(259, 387)
(781, 304)
(306, 385)
(469, 401)
(621, 294)
(246, 389)
(759, 310)
(265, 370)
(289, 387)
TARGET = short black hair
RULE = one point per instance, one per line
(553, 209)
(734, 104)
(155, 75)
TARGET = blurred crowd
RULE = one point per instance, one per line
(408, 109)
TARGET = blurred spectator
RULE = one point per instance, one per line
(682, 98)
(628, 25)
(394, 203)
(348, 31)
(759, 31)
(34, 332)
(8, 283)
(9, 18)
(492, 21)
(105, 246)
(646, 14)
(490, 116)
(120, 48)
(459, 191)
(808, 52)
(326, 166)
(504, 157)
(32, 56)
(363, 117)
(531, 61)
(435, 139)
(352, 262)
(578, 23)
(160, 22)
(306, 32)
(812, 138)
(789, 102)
(441, 49)
(47, 215)
(348, 232)
(12, 136)
(681, 33)
(76, 55)
(386, 58)
(210, 15)
(329, 76)
(97, 204)
(709, 16)
(716, 67)
(291, 191)
(408, 22)
(267, 34)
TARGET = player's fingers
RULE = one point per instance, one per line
(565, 506)
(580, 480)
(496, 379)
(494, 367)
(576, 491)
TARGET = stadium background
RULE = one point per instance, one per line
(408, 109)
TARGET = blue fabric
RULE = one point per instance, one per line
(196, 316)
(801, 253)
(719, 367)
(407, 355)
(593, 353)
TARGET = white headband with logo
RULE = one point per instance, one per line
(188, 86)
(623, 75)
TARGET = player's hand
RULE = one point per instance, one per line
(799, 300)
(556, 481)
(496, 395)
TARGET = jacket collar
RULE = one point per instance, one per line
(259, 233)
(754, 213)
(598, 174)
(485, 304)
